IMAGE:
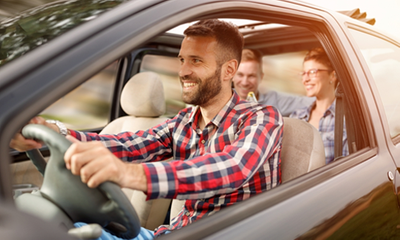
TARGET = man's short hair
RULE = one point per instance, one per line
(252, 55)
(227, 35)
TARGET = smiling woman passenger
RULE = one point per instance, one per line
(320, 81)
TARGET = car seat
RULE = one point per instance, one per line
(302, 148)
(142, 98)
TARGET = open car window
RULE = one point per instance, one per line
(89, 105)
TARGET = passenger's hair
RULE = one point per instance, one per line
(252, 55)
(319, 55)
(229, 39)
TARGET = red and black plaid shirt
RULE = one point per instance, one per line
(236, 156)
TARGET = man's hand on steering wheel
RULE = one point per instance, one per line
(96, 164)
(23, 144)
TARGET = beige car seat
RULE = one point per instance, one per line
(143, 100)
(302, 151)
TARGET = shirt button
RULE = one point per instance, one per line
(203, 141)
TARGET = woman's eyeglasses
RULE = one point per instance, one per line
(312, 72)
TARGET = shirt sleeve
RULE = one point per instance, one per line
(150, 145)
(257, 140)
(286, 103)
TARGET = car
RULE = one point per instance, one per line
(70, 61)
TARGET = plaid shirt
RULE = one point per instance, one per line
(213, 168)
(326, 129)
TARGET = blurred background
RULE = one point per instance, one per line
(385, 12)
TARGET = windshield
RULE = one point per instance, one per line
(42, 24)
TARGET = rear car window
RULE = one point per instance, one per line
(383, 59)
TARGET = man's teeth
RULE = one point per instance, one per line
(189, 84)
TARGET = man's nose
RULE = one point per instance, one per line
(184, 70)
(245, 80)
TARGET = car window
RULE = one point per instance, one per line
(281, 73)
(88, 106)
(167, 68)
(383, 59)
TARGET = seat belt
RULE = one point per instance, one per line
(339, 115)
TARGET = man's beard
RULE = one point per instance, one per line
(207, 89)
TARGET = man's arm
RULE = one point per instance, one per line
(286, 103)
(153, 144)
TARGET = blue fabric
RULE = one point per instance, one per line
(144, 234)
(326, 129)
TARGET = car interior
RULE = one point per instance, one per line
(142, 89)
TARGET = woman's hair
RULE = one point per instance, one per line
(319, 55)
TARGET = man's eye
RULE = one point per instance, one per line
(196, 60)
(312, 71)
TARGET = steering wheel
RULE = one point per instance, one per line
(106, 205)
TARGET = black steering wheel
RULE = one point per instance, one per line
(106, 205)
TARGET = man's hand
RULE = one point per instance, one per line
(95, 164)
(23, 144)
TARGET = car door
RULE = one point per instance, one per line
(381, 55)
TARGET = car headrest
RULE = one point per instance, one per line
(143, 95)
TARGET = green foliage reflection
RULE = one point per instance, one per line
(42, 24)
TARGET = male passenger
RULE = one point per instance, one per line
(250, 74)
(224, 150)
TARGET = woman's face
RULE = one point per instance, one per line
(318, 80)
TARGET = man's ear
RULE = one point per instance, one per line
(229, 69)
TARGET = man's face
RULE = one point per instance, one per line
(247, 78)
(199, 72)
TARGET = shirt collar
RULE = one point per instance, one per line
(307, 112)
(221, 115)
